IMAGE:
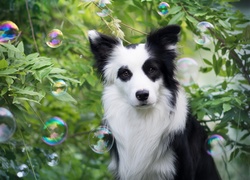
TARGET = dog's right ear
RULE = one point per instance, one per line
(102, 46)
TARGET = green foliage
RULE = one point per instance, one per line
(28, 68)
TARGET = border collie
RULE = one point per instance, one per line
(156, 137)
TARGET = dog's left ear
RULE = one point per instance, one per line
(102, 46)
(165, 38)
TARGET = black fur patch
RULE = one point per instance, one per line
(157, 44)
(102, 47)
(124, 73)
(151, 69)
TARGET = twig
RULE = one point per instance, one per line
(31, 26)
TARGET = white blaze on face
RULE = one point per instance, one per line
(125, 71)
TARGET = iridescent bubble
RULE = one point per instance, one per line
(187, 71)
(102, 3)
(59, 87)
(52, 159)
(7, 125)
(163, 8)
(202, 34)
(101, 140)
(55, 131)
(54, 38)
(216, 145)
(8, 31)
(103, 13)
(22, 170)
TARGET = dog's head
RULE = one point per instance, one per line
(138, 71)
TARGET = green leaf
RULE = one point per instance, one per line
(3, 64)
(41, 64)
(57, 71)
(65, 97)
(224, 85)
(19, 100)
(11, 47)
(28, 92)
(226, 107)
(176, 18)
(41, 74)
(7, 72)
(192, 20)
(20, 47)
(225, 24)
(91, 80)
(207, 62)
(31, 56)
(200, 14)
(3, 91)
(205, 69)
(234, 154)
(246, 33)
(9, 80)
(59, 76)
(174, 10)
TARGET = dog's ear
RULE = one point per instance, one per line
(102, 46)
(164, 38)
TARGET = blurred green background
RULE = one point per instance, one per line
(219, 96)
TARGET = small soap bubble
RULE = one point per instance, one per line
(59, 87)
(202, 34)
(54, 38)
(187, 71)
(101, 140)
(7, 125)
(8, 31)
(55, 131)
(163, 8)
(52, 159)
(102, 3)
(103, 13)
(216, 145)
(22, 170)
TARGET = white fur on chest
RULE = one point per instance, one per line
(138, 134)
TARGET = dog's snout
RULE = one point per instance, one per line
(142, 95)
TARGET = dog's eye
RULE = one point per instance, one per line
(124, 74)
(151, 70)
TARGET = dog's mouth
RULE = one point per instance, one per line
(144, 105)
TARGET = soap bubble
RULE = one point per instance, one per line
(216, 145)
(101, 140)
(8, 31)
(163, 8)
(102, 3)
(54, 38)
(202, 35)
(59, 87)
(52, 159)
(55, 131)
(7, 125)
(22, 170)
(103, 13)
(187, 71)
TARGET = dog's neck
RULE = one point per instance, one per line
(138, 131)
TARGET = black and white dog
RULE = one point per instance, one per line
(156, 137)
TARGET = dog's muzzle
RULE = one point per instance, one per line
(142, 95)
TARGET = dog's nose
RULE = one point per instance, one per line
(142, 95)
